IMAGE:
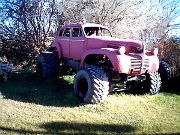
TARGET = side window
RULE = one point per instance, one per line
(76, 32)
(91, 31)
(61, 32)
(67, 32)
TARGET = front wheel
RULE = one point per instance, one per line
(91, 84)
(152, 84)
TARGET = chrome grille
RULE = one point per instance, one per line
(145, 65)
(139, 65)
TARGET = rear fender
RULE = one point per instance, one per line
(57, 47)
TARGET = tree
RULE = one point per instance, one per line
(26, 25)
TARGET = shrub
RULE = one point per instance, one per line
(170, 52)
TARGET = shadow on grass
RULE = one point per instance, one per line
(65, 128)
(9, 130)
(25, 87)
(74, 128)
(83, 128)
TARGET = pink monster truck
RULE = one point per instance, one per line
(103, 63)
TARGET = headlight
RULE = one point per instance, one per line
(122, 50)
(155, 51)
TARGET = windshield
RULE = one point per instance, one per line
(97, 31)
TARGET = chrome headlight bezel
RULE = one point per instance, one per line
(121, 50)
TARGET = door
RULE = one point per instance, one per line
(64, 41)
(77, 44)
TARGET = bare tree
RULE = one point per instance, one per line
(27, 24)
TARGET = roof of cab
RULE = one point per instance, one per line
(84, 25)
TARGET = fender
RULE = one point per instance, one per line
(112, 54)
(56, 45)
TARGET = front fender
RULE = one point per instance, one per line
(111, 53)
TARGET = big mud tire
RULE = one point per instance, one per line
(152, 83)
(165, 71)
(47, 65)
(91, 84)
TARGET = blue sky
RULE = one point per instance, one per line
(176, 31)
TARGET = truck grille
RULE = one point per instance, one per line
(145, 65)
(139, 66)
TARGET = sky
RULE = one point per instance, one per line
(176, 31)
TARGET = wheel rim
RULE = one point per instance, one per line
(82, 85)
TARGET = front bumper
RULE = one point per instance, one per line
(136, 65)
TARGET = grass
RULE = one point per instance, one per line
(32, 106)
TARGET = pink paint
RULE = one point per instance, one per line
(77, 44)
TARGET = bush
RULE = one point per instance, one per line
(170, 52)
(18, 51)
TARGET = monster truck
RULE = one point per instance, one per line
(103, 63)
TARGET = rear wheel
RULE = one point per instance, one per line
(91, 84)
(165, 71)
(47, 65)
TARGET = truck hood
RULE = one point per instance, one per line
(111, 42)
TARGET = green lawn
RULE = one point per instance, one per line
(31, 106)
